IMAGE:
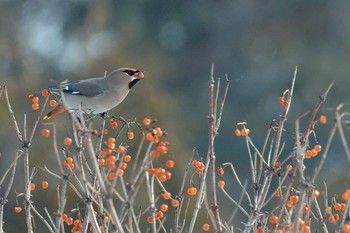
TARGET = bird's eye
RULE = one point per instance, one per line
(130, 72)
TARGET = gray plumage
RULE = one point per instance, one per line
(97, 95)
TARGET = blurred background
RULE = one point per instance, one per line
(257, 45)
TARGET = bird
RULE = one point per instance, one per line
(96, 95)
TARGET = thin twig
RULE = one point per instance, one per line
(19, 134)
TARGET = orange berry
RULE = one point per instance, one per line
(112, 166)
(121, 149)
(167, 175)
(102, 228)
(102, 153)
(101, 162)
(323, 119)
(294, 199)
(45, 132)
(192, 191)
(160, 171)
(127, 158)
(111, 176)
(149, 219)
(289, 167)
(147, 121)
(53, 103)
(238, 132)
(75, 229)
(318, 148)
(69, 221)
(315, 193)
(155, 139)
(106, 219)
(195, 163)
(71, 166)
(162, 178)
(259, 230)
(329, 210)
(45, 93)
(159, 214)
(290, 204)
(175, 203)
(123, 166)
(346, 195)
(337, 206)
(111, 140)
(336, 217)
(64, 217)
(111, 146)
(157, 131)
(44, 184)
(281, 99)
(111, 159)
(35, 106)
(221, 183)
(305, 209)
(120, 172)
(18, 209)
(346, 228)
(308, 154)
(273, 219)
(32, 186)
(31, 96)
(314, 153)
(201, 166)
(331, 219)
(305, 229)
(35, 100)
(113, 123)
(170, 163)
(76, 222)
(245, 132)
(164, 207)
(162, 149)
(149, 136)
(67, 141)
(130, 135)
(343, 206)
(155, 154)
(221, 171)
(69, 160)
(206, 227)
(278, 193)
(166, 195)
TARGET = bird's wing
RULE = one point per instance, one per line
(85, 88)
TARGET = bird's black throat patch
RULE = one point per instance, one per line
(133, 82)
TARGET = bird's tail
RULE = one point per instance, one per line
(57, 110)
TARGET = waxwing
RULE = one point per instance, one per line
(96, 95)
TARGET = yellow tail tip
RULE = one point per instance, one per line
(46, 117)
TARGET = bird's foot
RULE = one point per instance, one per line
(104, 115)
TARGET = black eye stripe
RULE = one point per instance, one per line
(131, 72)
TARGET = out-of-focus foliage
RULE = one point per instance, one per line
(256, 44)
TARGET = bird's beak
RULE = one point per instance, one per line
(139, 75)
